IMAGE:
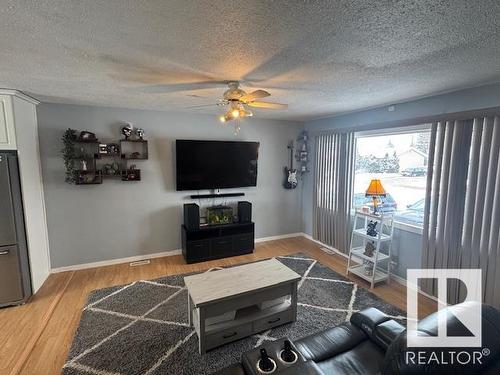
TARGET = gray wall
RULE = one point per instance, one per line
(119, 219)
(459, 101)
(406, 245)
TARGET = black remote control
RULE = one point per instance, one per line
(265, 362)
(288, 355)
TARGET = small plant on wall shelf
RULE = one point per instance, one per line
(69, 155)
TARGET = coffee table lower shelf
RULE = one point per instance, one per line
(248, 321)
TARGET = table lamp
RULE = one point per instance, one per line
(375, 190)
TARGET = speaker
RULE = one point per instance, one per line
(192, 216)
(244, 212)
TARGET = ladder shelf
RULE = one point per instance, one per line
(363, 265)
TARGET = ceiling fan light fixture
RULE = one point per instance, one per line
(245, 113)
(238, 101)
(235, 113)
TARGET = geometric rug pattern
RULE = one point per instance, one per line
(142, 327)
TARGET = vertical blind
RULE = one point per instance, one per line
(333, 189)
(462, 211)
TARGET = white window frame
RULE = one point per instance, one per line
(393, 131)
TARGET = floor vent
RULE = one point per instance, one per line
(327, 250)
(140, 263)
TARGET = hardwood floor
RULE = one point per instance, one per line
(35, 338)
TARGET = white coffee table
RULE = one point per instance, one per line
(241, 289)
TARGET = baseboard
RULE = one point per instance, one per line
(111, 262)
(330, 248)
(279, 237)
(136, 258)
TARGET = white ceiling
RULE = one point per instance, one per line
(320, 57)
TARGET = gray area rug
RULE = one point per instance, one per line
(141, 328)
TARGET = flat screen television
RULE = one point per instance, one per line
(216, 164)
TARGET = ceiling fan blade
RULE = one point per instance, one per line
(257, 94)
(268, 105)
(178, 87)
(218, 104)
(202, 106)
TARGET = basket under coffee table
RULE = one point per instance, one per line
(258, 296)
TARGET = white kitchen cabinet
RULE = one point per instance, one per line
(19, 131)
(7, 127)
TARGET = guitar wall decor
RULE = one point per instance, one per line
(290, 173)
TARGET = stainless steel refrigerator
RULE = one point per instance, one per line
(15, 280)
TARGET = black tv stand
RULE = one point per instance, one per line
(217, 241)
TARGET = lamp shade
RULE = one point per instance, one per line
(375, 189)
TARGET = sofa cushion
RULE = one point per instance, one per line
(303, 368)
(366, 358)
(330, 342)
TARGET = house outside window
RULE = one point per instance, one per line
(399, 160)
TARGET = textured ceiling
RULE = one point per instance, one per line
(320, 57)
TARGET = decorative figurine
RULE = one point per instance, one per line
(113, 148)
(140, 133)
(369, 249)
(103, 148)
(84, 165)
(127, 131)
(371, 229)
(112, 169)
(87, 136)
(116, 168)
(106, 169)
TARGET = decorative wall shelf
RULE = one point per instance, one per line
(134, 149)
(88, 162)
(302, 153)
(88, 178)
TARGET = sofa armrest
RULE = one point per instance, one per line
(368, 319)
(381, 329)
(386, 333)
(328, 343)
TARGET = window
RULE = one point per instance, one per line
(399, 160)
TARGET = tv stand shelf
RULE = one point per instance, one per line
(217, 241)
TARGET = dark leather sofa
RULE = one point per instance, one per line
(372, 343)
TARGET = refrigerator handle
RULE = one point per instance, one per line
(4, 252)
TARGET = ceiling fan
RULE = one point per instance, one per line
(238, 101)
